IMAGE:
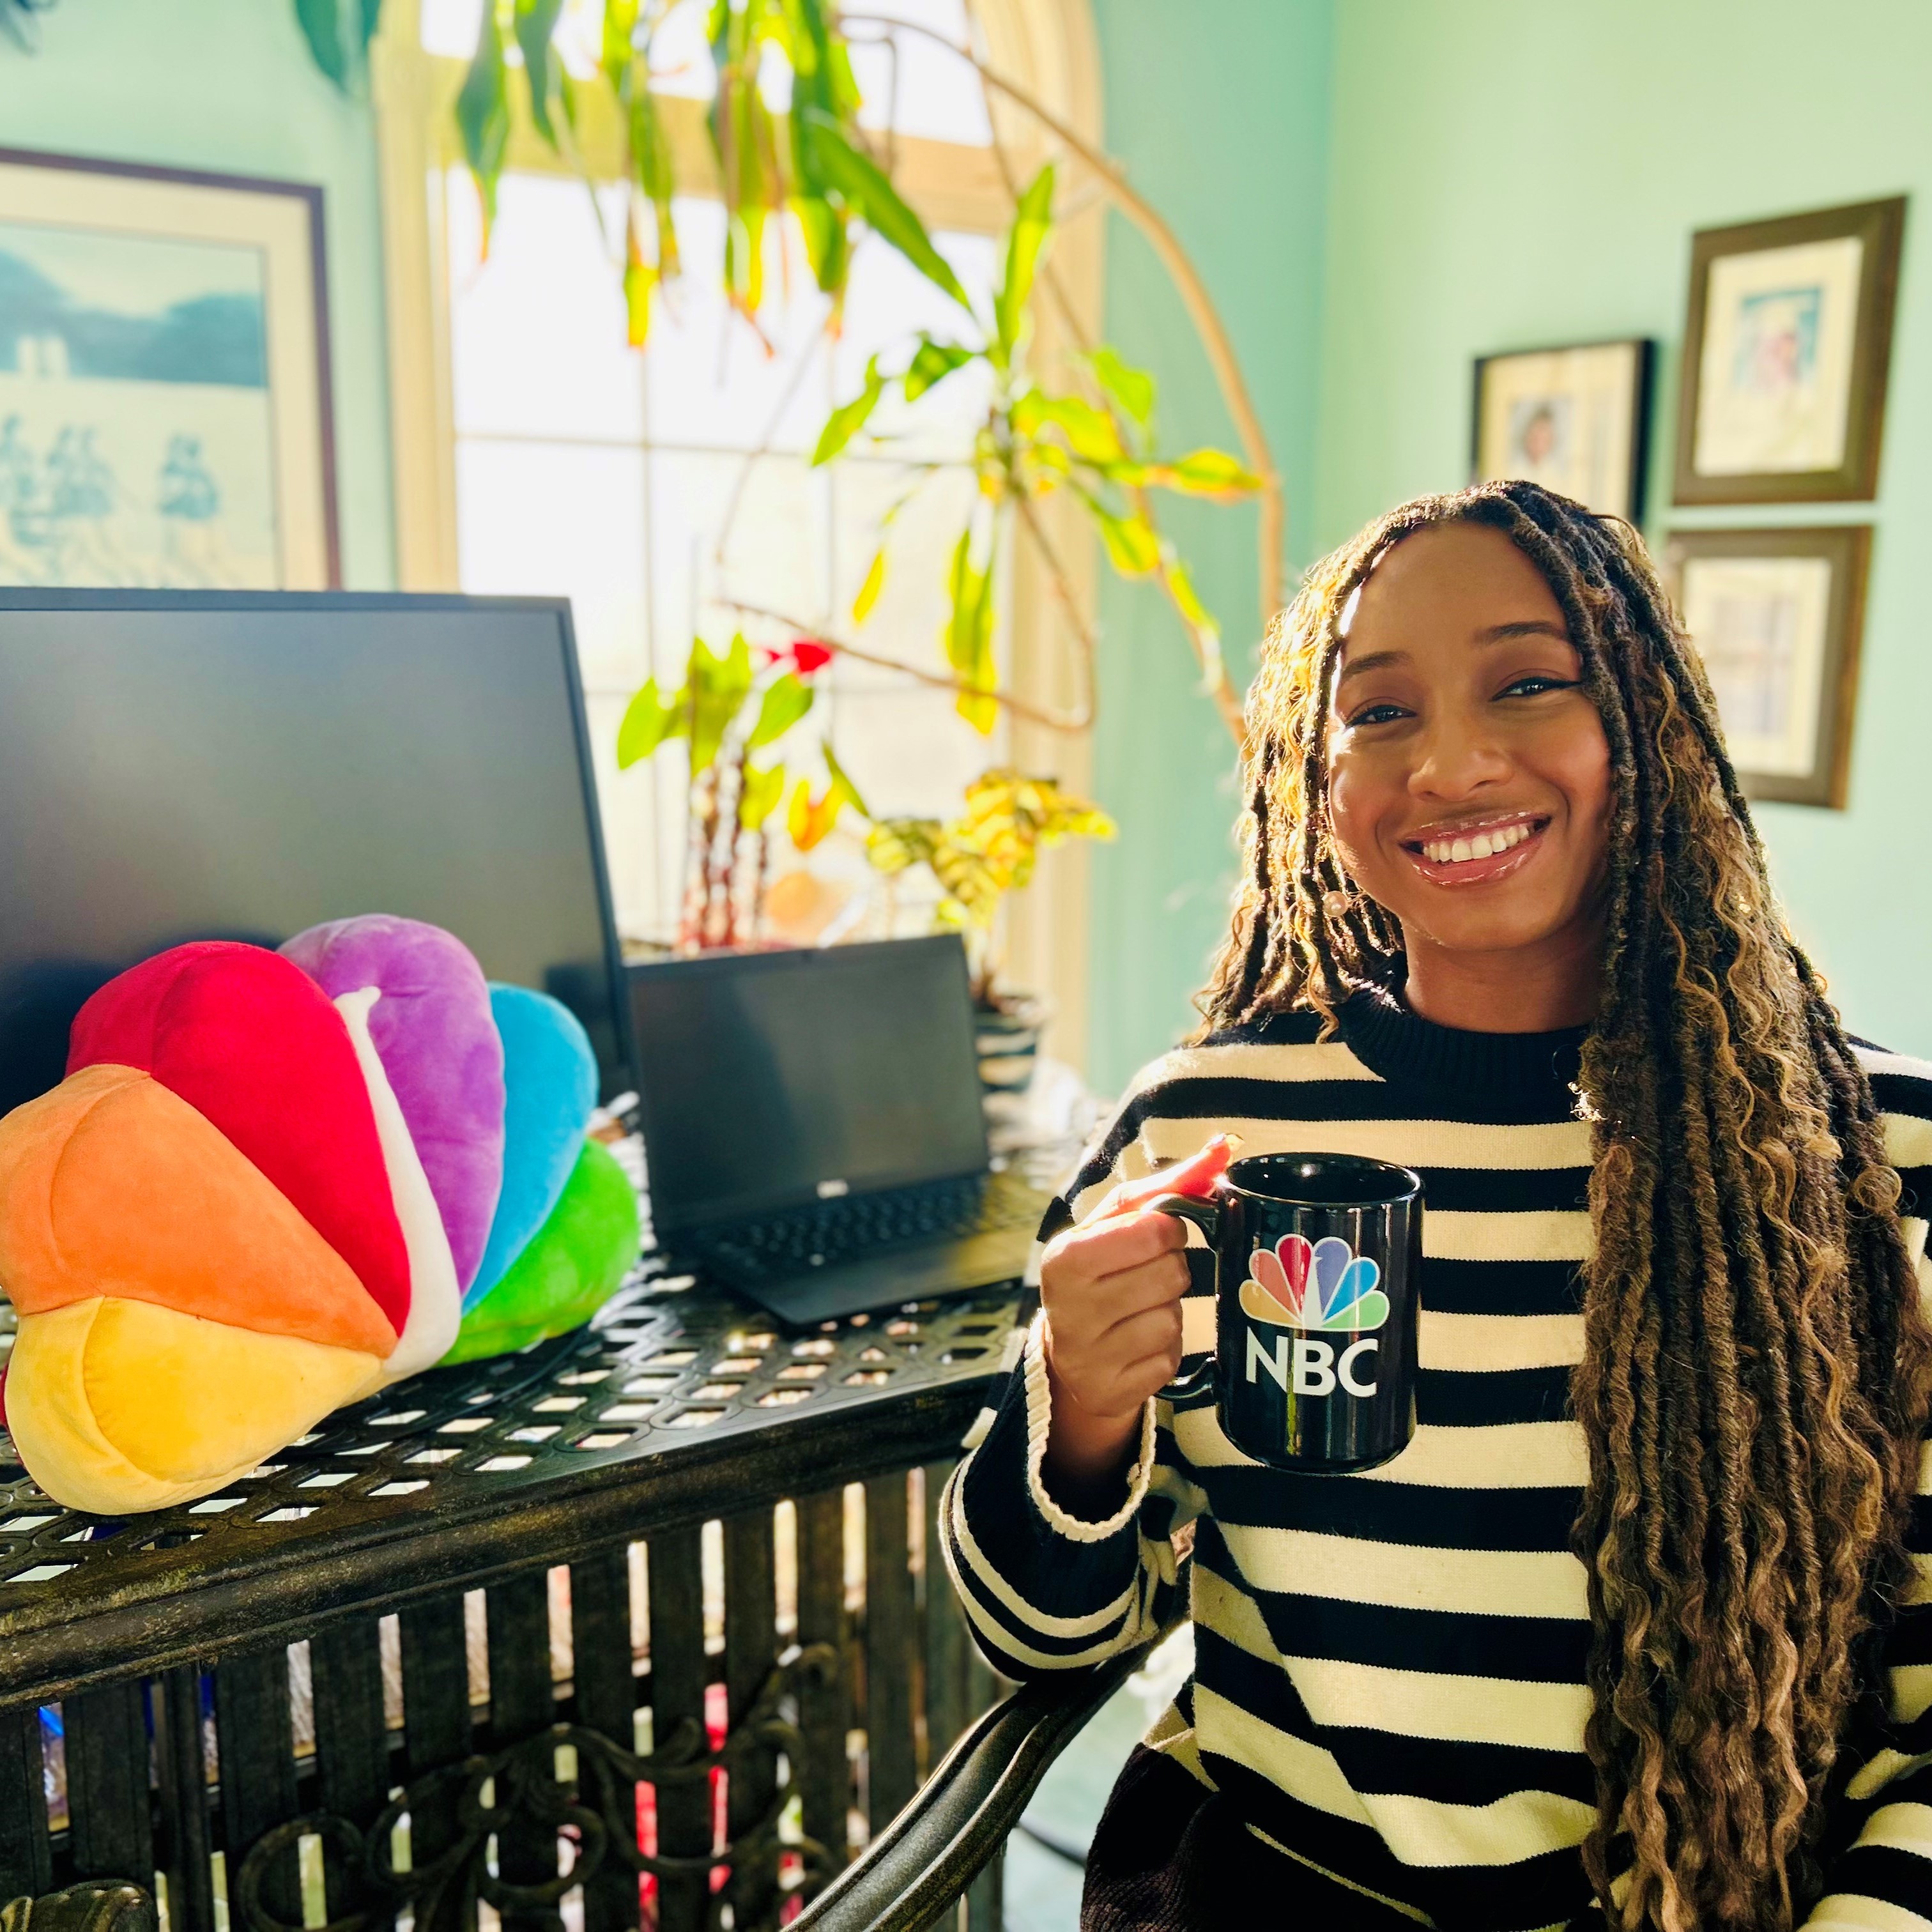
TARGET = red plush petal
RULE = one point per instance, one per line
(253, 1045)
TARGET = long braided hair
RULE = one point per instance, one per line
(1754, 1379)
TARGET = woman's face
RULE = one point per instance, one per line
(1469, 777)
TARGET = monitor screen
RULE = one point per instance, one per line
(770, 1079)
(177, 765)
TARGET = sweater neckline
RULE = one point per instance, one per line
(1403, 1047)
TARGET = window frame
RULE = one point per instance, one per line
(1047, 47)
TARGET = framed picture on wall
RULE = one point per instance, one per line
(1786, 345)
(1574, 419)
(1776, 616)
(165, 416)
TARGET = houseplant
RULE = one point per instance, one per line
(988, 850)
(726, 712)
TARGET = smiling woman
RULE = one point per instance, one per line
(1629, 1635)
(1469, 782)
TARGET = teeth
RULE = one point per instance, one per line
(1484, 845)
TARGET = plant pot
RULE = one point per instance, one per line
(1007, 1036)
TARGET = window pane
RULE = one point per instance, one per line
(450, 28)
(886, 301)
(562, 521)
(537, 331)
(775, 556)
(937, 94)
(713, 383)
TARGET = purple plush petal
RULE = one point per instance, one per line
(438, 1042)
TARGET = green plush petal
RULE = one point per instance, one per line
(570, 1268)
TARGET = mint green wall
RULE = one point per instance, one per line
(1219, 110)
(228, 85)
(1506, 174)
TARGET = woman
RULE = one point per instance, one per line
(1630, 1633)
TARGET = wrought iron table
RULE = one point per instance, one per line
(648, 1619)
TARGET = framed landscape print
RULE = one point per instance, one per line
(1573, 419)
(165, 415)
(1776, 616)
(1787, 347)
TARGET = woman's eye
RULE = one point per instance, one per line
(1536, 684)
(1378, 714)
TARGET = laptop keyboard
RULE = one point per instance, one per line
(832, 1231)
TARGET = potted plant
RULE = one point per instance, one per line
(977, 858)
(725, 714)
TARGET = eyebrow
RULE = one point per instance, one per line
(1496, 634)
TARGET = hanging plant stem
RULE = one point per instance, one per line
(1072, 721)
(1200, 305)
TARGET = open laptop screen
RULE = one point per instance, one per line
(771, 1079)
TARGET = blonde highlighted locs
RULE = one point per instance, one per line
(1754, 1382)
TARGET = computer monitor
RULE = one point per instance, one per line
(183, 765)
(767, 1080)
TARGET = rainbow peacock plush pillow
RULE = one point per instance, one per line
(272, 1183)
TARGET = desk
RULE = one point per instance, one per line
(515, 1590)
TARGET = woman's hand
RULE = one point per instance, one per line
(1111, 1288)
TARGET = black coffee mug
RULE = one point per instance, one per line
(1318, 1269)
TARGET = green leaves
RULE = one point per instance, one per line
(857, 179)
(483, 115)
(1132, 547)
(1032, 223)
(1090, 434)
(1132, 389)
(619, 47)
(869, 591)
(1209, 472)
(786, 700)
(535, 21)
(969, 636)
(715, 687)
(649, 721)
(932, 363)
(759, 794)
(338, 33)
(846, 421)
(843, 789)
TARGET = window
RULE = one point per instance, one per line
(576, 467)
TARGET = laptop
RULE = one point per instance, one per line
(813, 1130)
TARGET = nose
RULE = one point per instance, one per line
(1460, 758)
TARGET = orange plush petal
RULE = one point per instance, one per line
(113, 1186)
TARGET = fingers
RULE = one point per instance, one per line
(1111, 1247)
(1194, 1177)
(1114, 1374)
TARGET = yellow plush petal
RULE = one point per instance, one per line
(117, 1406)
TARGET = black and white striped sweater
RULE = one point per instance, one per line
(1390, 1666)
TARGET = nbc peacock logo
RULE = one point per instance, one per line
(1314, 1288)
(1323, 1284)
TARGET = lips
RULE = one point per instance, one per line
(1477, 853)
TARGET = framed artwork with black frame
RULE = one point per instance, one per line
(1575, 418)
(1776, 615)
(1787, 344)
(165, 412)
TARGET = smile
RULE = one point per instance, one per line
(1474, 854)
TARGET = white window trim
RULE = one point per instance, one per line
(1047, 46)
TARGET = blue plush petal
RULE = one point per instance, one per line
(549, 1079)
(1358, 1278)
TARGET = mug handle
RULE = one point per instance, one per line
(1205, 1215)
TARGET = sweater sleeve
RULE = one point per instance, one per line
(1043, 1589)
